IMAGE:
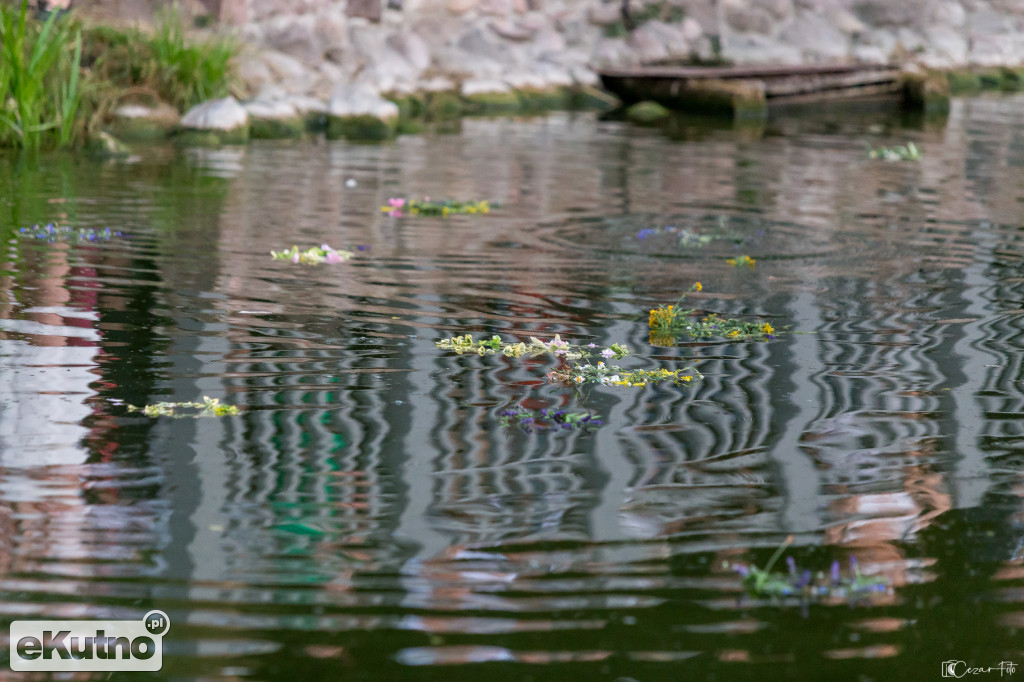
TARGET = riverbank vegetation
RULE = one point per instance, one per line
(61, 78)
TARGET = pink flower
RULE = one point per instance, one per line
(295, 257)
(608, 353)
(333, 257)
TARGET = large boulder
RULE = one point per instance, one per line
(357, 111)
(274, 119)
(217, 121)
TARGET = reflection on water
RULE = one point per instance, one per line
(366, 516)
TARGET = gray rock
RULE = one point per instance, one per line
(613, 52)
(496, 8)
(437, 84)
(412, 48)
(756, 49)
(605, 14)
(886, 13)
(483, 86)
(360, 100)
(458, 7)
(671, 36)
(870, 54)
(307, 105)
(582, 75)
(747, 18)
(295, 36)
(548, 40)
(270, 109)
(646, 43)
(512, 30)
(816, 38)
(947, 47)
(219, 114)
(691, 29)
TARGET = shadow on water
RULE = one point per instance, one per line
(367, 515)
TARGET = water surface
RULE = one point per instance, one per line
(366, 517)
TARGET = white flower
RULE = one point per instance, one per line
(608, 353)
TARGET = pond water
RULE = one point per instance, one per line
(366, 516)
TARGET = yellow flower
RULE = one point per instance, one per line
(767, 328)
(697, 286)
(734, 332)
(730, 261)
(662, 316)
(686, 378)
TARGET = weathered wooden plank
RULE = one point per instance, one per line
(729, 72)
(799, 84)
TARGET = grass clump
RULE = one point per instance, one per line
(667, 323)
(60, 80)
(39, 79)
(165, 64)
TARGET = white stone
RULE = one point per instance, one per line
(581, 75)
(613, 52)
(271, 109)
(413, 48)
(554, 76)
(692, 29)
(604, 14)
(671, 36)
(483, 86)
(946, 44)
(461, 6)
(521, 79)
(437, 84)
(647, 44)
(816, 38)
(360, 100)
(845, 22)
(307, 105)
(217, 114)
(870, 54)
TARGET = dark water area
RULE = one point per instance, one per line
(367, 517)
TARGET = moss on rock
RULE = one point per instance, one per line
(361, 127)
(492, 102)
(926, 92)
(647, 112)
(276, 128)
(963, 81)
(443, 105)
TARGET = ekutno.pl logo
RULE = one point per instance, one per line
(89, 645)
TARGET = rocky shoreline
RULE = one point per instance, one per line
(360, 68)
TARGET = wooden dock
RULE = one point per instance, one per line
(748, 91)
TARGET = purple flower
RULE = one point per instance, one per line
(835, 572)
(792, 565)
(645, 233)
(607, 353)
